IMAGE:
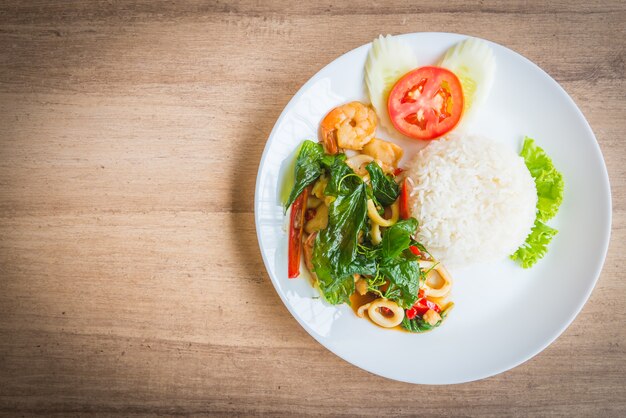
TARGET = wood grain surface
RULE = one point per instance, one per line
(130, 278)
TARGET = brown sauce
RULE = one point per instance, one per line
(357, 300)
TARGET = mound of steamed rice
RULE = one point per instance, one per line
(474, 199)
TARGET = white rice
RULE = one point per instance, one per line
(474, 199)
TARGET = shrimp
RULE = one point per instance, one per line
(349, 126)
(386, 152)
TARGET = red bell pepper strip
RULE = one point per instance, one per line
(397, 171)
(405, 213)
(415, 250)
(296, 226)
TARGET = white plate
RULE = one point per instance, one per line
(504, 314)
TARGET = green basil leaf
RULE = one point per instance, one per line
(417, 324)
(308, 168)
(384, 187)
(335, 248)
(362, 264)
(328, 160)
(342, 178)
(338, 291)
(403, 276)
(397, 238)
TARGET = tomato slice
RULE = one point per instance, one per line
(426, 103)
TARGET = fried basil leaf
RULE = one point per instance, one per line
(342, 178)
(308, 168)
(363, 264)
(417, 324)
(397, 238)
(335, 251)
(384, 187)
(403, 275)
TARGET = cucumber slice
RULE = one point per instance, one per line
(474, 64)
(387, 61)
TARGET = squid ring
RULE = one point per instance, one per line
(356, 163)
(376, 218)
(444, 289)
(375, 236)
(382, 320)
(361, 311)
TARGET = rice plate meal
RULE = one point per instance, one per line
(377, 233)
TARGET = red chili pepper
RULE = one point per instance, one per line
(421, 307)
(432, 305)
(411, 313)
(398, 171)
(415, 250)
(296, 226)
(404, 200)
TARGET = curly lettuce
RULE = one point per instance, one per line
(536, 245)
(548, 180)
(550, 186)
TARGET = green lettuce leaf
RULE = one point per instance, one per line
(308, 168)
(550, 186)
(548, 180)
(536, 245)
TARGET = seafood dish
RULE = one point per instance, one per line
(378, 229)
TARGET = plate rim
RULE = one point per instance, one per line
(590, 286)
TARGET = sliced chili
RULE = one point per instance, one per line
(296, 226)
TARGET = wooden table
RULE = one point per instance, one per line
(130, 277)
